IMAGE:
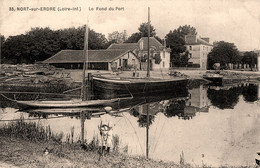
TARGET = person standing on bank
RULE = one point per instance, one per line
(106, 132)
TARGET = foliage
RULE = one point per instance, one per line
(142, 120)
(133, 38)
(2, 38)
(143, 29)
(40, 43)
(249, 58)
(224, 99)
(175, 39)
(117, 37)
(180, 60)
(157, 59)
(29, 131)
(223, 53)
(144, 58)
(250, 93)
(143, 32)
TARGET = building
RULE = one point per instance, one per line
(98, 59)
(198, 99)
(258, 60)
(198, 49)
(157, 50)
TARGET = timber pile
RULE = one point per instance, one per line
(26, 70)
(177, 74)
(33, 77)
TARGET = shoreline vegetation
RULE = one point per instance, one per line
(24, 144)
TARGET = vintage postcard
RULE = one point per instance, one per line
(117, 83)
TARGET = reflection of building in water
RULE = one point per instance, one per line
(198, 100)
(258, 91)
(153, 108)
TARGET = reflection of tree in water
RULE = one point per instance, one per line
(143, 120)
(46, 116)
(250, 93)
(224, 99)
(174, 108)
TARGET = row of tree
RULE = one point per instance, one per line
(225, 53)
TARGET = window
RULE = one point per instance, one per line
(163, 64)
(163, 54)
(190, 47)
(190, 55)
(120, 62)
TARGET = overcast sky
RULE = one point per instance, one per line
(236, 21)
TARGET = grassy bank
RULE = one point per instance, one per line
(23, 144)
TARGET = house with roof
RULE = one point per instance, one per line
(199, 49)
(97, 59)
(159, 54)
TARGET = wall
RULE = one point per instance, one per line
(165, 63)
(131, 60)
(258, 62)
(199, 54)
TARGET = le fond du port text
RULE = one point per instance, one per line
(59, 9)
(106, 9)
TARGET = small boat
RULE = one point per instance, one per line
(65, 110)
(66, 103)
(74, 103)
(216, 78)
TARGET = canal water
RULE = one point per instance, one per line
(210, 125)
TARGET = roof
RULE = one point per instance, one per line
(153, 42)
(126, 46)
(194, 40)
(75, 56)
(132, 46)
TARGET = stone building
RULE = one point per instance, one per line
(199, 49)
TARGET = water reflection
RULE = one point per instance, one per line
(227, 97)
(174, 121)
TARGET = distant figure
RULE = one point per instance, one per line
(106, 132)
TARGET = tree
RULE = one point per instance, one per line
(175, 39)
(39, 44)
(134, 38)
(117, 37)
(250, 58)
(143, 32)
(143, 29)
(223, 53)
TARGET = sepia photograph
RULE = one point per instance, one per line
(130, 83)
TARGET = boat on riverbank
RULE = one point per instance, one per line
(215, 78)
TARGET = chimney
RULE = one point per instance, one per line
(190, 39)
(205, 39)
(141, 44)
(164, 43)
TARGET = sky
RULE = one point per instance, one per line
(235, 21)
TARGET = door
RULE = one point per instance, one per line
(125, 63)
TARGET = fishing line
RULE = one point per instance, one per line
(155, 146)
(135, 134)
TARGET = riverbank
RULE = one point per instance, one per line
(22, 153)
